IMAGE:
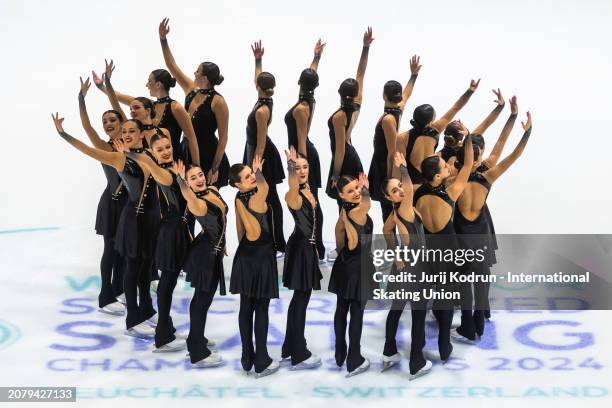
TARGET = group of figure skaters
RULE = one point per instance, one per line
(160, 184)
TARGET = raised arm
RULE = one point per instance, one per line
(110, 91)
(494, 173)
(363, 63)
(261, 117)
(258, 53)
(221, 111)
(415, 67)
(184, 121)
(360, 212)
(292, 197)
(317, 54)
(441, 123)
(114, 159)
(258, 200)
(300, 114)
(340, 139)
(389, 126)
(183, 80)
(94, 138)
(161, 176)
(196, 206)
(99, 81)
(406, 208)
(456, 188)
(492, 117)
(496, 152)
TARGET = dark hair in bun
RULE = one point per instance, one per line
(393, 91)
(212, 72)
(163, 76)
(266, 82)
(147, 104)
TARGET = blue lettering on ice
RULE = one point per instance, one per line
(79, 286)
(79, 308)
(71, 330)
(523, 335)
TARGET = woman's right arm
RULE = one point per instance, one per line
(112, 96)
(441, 123)
(363, 63)
(503, 137)
(258, 53)
(340, 139)
(196, 206)
(114, 159)
(183, 80)
(94, 138)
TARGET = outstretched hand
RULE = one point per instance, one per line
(474, 84)
(179, 168)
(499, 98)
(363, 180)
(98, 80)
(258, 50)
(319, 46)
(120, 146)
(257, 163)
(84, 86)
(367, 37)
(415, 64)
(109, 68)
(528, 124)
(164, 28)
(513, 105)
(399, 159)
(212, 176)
(58, 122)
(291, 154)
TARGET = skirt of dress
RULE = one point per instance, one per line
(137, 234)
(172, 244)
(254, 270)
(301, 267)
(204, 266)
(108, 213)
(352, 276)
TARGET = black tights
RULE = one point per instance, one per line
(443, 313)
(277, 217)
(259, 355)
(294, 345)
(417, 333)
(137, 283)
(111, 273)
(197, 343)
(164, 332)
(354, 358)
(472, 324)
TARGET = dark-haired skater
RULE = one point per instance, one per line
(109, 208)
(301, 268)
(385, 134)
(173, 238)
(207, 109)
(408, 222)
(435, 201)
(204, 263)
(346, 281)
(258, 143)
(471, 222)
(298, 120)
(345, 160)
(136, 233)
(254, 271)
(421, 141)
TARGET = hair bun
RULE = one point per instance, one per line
(219, 80)
(172, 83)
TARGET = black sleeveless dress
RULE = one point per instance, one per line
(273, 167)
(169, 122)
(487, 214)
(205, 125)
(140, 218)
(301, 268)
(351, 165)
(378, 167)
(314, 165)
(204, 263)
(254, 270)
(174, 237)
(413, 135)
(346, 275)
(476, 234)
(416, 233)
(112, 201)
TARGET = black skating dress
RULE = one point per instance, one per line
(272, 170)
(138, 226)
(346, 275)
(413, 135)
(378, 167)
(205, 125)
(173, 238)
(112, 201)
(301, 267)
(169, 122)
(204, 264)
(254, 270)
(351, 165)
(314, 165)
